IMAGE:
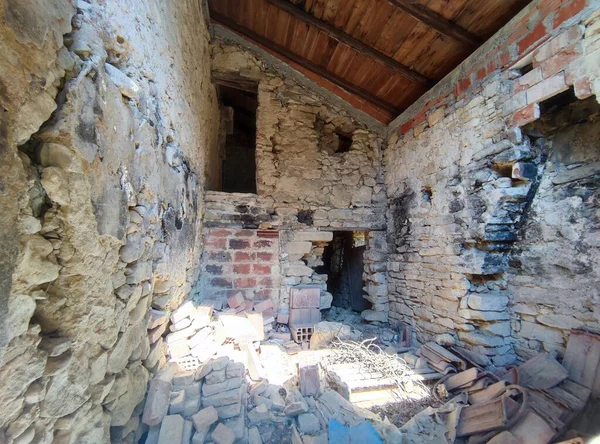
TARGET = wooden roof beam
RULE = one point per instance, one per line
(352, 42)
(316, 69)
(437, 22)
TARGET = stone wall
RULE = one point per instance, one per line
(463, 179)
(318, 167)
(297, 167)
(101, 162)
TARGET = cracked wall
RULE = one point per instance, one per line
(101, 157)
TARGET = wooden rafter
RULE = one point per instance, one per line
(437, 22)
(352, 42)
(316, 69)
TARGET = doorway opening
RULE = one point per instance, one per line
(344, 266)
(239, 101)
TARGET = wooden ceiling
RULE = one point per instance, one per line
(383, 53)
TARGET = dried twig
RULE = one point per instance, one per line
(371, 359)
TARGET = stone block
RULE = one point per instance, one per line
(157, 402)
(223, 435)
(374, 316)
(229, 411)
(313, 236)
(188, 430)
(177, 403)
(258, 414)
(309, 380)
(254, 436)
(171, 429)
(531, 330)
(488, 301)
(229, 384)
(296, 408)
(215, 377)
(157, 317)
(191, 405)
(235, 370)
(224, 398)
(308, 423)
(297, 248)
(205, 418)
(282, 318)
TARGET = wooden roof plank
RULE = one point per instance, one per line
(350, 41)
(307, 64)
(437, 22)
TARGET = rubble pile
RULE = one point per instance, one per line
(537, 401)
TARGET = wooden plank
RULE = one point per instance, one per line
(235, 81)
(437, 22)
(307, 64)
(350, 41)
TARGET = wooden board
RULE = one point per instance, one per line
(381, 25)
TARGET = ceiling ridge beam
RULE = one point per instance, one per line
(437, 22)
(352, 42)
(316, 69)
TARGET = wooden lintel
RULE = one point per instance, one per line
(355, 44)
(235, 81)
(307, 64)
(437, 22)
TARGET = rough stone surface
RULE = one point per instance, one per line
(490, 233)
(92, 213)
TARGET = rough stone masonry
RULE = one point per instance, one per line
(481, 200)
(101, 158)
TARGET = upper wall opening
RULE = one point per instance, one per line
(238, 101)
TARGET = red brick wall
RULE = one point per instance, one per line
(239, 260)
(557, 57)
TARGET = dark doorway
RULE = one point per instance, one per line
(239, 158)
(343, 264)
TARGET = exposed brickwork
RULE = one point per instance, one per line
(238, 261)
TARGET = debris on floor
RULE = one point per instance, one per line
(536, 402)
(240, 375)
